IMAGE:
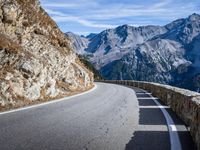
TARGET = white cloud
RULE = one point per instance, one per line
(81, 21)
(53, 12)
(91, 13)
(165, 9)
(57, 5)
(75, 4)
(61, 17)
(161, 4)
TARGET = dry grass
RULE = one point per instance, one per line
(40, 17)
(34, 16)
(63, 85)
(5, 70)
(9, 45)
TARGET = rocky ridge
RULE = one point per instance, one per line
(37, 61)
(166, 54)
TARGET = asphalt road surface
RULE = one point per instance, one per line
(111, 117)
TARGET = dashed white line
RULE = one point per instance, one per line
(181, 128)
(142, 93)
(154, 107)
(173, 128)
(147, 98)
(174, 138)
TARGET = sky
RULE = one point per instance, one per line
(93, 16)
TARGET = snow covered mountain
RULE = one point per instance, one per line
(167, 54)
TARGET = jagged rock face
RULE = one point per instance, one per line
(168, 54)
(183, 30)
(113, 44)
(36, 59)
(152, 61)
(79, 43)
(170, 58)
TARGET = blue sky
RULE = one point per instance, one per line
(93, 16)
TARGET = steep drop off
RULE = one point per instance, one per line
(36, 59)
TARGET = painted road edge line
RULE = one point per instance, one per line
(50, 102)
(174, 138)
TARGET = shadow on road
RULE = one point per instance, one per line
(146, 102)
(149, 140)
(151, 116)
(156, 140)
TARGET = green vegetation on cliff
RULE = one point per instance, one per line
(85, 61)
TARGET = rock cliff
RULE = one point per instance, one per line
(37, 62)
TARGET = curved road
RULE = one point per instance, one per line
(111, 117)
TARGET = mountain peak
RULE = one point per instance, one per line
(195, 14)
(91, 35)
(125, 26)
(194, 17)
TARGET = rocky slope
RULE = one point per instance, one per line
(36, 60)
(167, 54)
(170, 58)
(79, 43)
(113, 44)
(90, 66)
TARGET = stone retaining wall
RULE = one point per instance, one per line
(185, 103)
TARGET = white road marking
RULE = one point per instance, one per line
(174, 138)
(173, 127)
(154, 107)
(147, 98)
(47, 103)
(160, 128)
(142, 93)
(152, 128)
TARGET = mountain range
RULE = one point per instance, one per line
(167, 54)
